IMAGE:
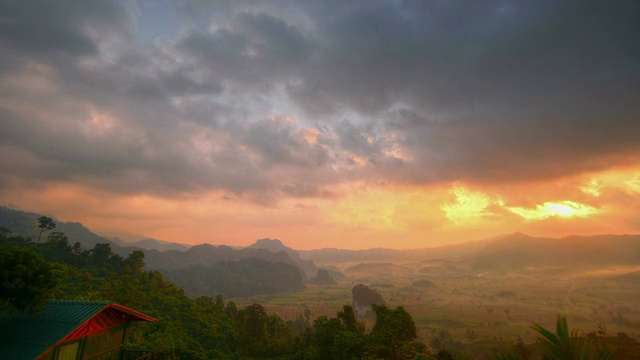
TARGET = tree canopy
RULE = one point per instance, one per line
(27, 280)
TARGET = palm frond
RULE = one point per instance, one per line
(564, 344)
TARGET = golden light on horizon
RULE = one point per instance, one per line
(361, 214)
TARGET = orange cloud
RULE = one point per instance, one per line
(360, 215)
(310, 135)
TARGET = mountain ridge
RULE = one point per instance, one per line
(513, 250)
(275, 245)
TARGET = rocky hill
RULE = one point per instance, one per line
(322, 278)
(275, 245)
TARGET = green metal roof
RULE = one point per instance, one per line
(25, 337)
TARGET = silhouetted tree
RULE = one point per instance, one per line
(45, 224)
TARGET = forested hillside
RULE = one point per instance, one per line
(190, 328)
(246, 277)
(200, 270)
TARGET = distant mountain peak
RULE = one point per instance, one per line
(269, 241)
(275, 245)
(159, 245)
(270, 244)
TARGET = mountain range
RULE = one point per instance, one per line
(201, 270)
(505, 253)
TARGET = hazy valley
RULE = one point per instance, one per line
(478, 296)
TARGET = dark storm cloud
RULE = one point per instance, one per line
(43, 27)
(278, 142)
(523, 89)
(253, 49)
(440, 55)
(406, 91)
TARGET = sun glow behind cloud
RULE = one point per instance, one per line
(251, 121)
(469, 206)
(359, 214)
(564, 209)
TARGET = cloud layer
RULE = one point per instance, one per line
(269, 101)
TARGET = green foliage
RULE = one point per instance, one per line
(393, 332)
(325, 332)
(7, 239)
(27, 280)
(349, 320)
(135, 261)
(565, 344)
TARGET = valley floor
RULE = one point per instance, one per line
(466, 308)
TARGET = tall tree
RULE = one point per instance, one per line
(45, 223)
(349, 320)
(393, 332)
(135, 261)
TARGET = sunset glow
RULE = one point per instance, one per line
(211, 123)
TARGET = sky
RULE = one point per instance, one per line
(325, 123)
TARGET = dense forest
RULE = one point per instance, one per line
(210, 328)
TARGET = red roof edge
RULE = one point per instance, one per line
(137, 316)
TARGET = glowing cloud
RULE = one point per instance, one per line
(469, 206)
(386, 208)
(371, 209)
(633, 185)
(564, 209)
(310, 135)
(592, 188)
